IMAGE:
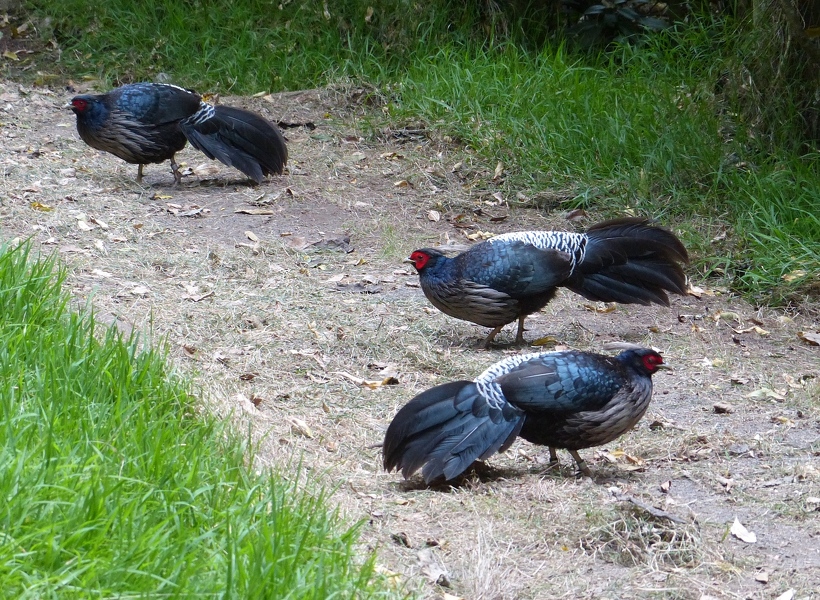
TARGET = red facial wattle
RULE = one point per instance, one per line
(651, 362)
(419, 259)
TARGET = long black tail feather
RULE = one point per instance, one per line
(632, 262)
(443, 430)
(240, 139)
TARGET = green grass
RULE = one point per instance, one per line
(115, 486)
(655, 128)
(642, 130)
(245, 46)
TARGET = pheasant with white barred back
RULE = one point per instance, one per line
(569, 400)
(145, 123)
(513, 275)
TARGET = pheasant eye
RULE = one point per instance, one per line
(79, 104)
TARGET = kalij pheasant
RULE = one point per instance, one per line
(145, 123)
(514, 275)
(569, 400)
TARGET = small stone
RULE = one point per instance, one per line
(723, 408)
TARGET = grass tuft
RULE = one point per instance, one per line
(632, 538)
(114, 485)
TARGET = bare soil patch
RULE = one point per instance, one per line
(284, 315)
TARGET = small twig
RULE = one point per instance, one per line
(655, 512)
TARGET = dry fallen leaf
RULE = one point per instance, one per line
(432, 569)
(140, 290)
(299, 426)
(246, 404)
(251, 236)
(255, 211)
(712, 362)
(787, 595)
(798, 274)
(762, 577)
(729, 316)
(369, 384)
(697, 291)
(602, 307)
(755, 328)
(434, 216)
(99, 222)
(401, 183)
(766, 393)
(576, 215)
(741, 533)
(499, 170)
(723, 408)
(385, 572)
(810, 337)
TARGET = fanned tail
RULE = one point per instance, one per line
(239, 139)
(443, 430)
(632, 262)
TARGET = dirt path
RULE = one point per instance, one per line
(281, 315)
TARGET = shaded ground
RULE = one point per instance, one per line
(285, 315)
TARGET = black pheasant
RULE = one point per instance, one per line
(145, 123)
(569, 400)
(514, 275)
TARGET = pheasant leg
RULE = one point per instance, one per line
(139, 173)
(175, 169)
(486, 343)
(582, 464)
(519, 339)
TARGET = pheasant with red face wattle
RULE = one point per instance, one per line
(569, 400)
(514, 275)
(144, 123)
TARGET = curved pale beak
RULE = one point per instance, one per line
(409, 260)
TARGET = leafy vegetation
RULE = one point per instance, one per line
(114, 487)
(665, 127)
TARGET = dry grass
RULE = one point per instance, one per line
(277, 337)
